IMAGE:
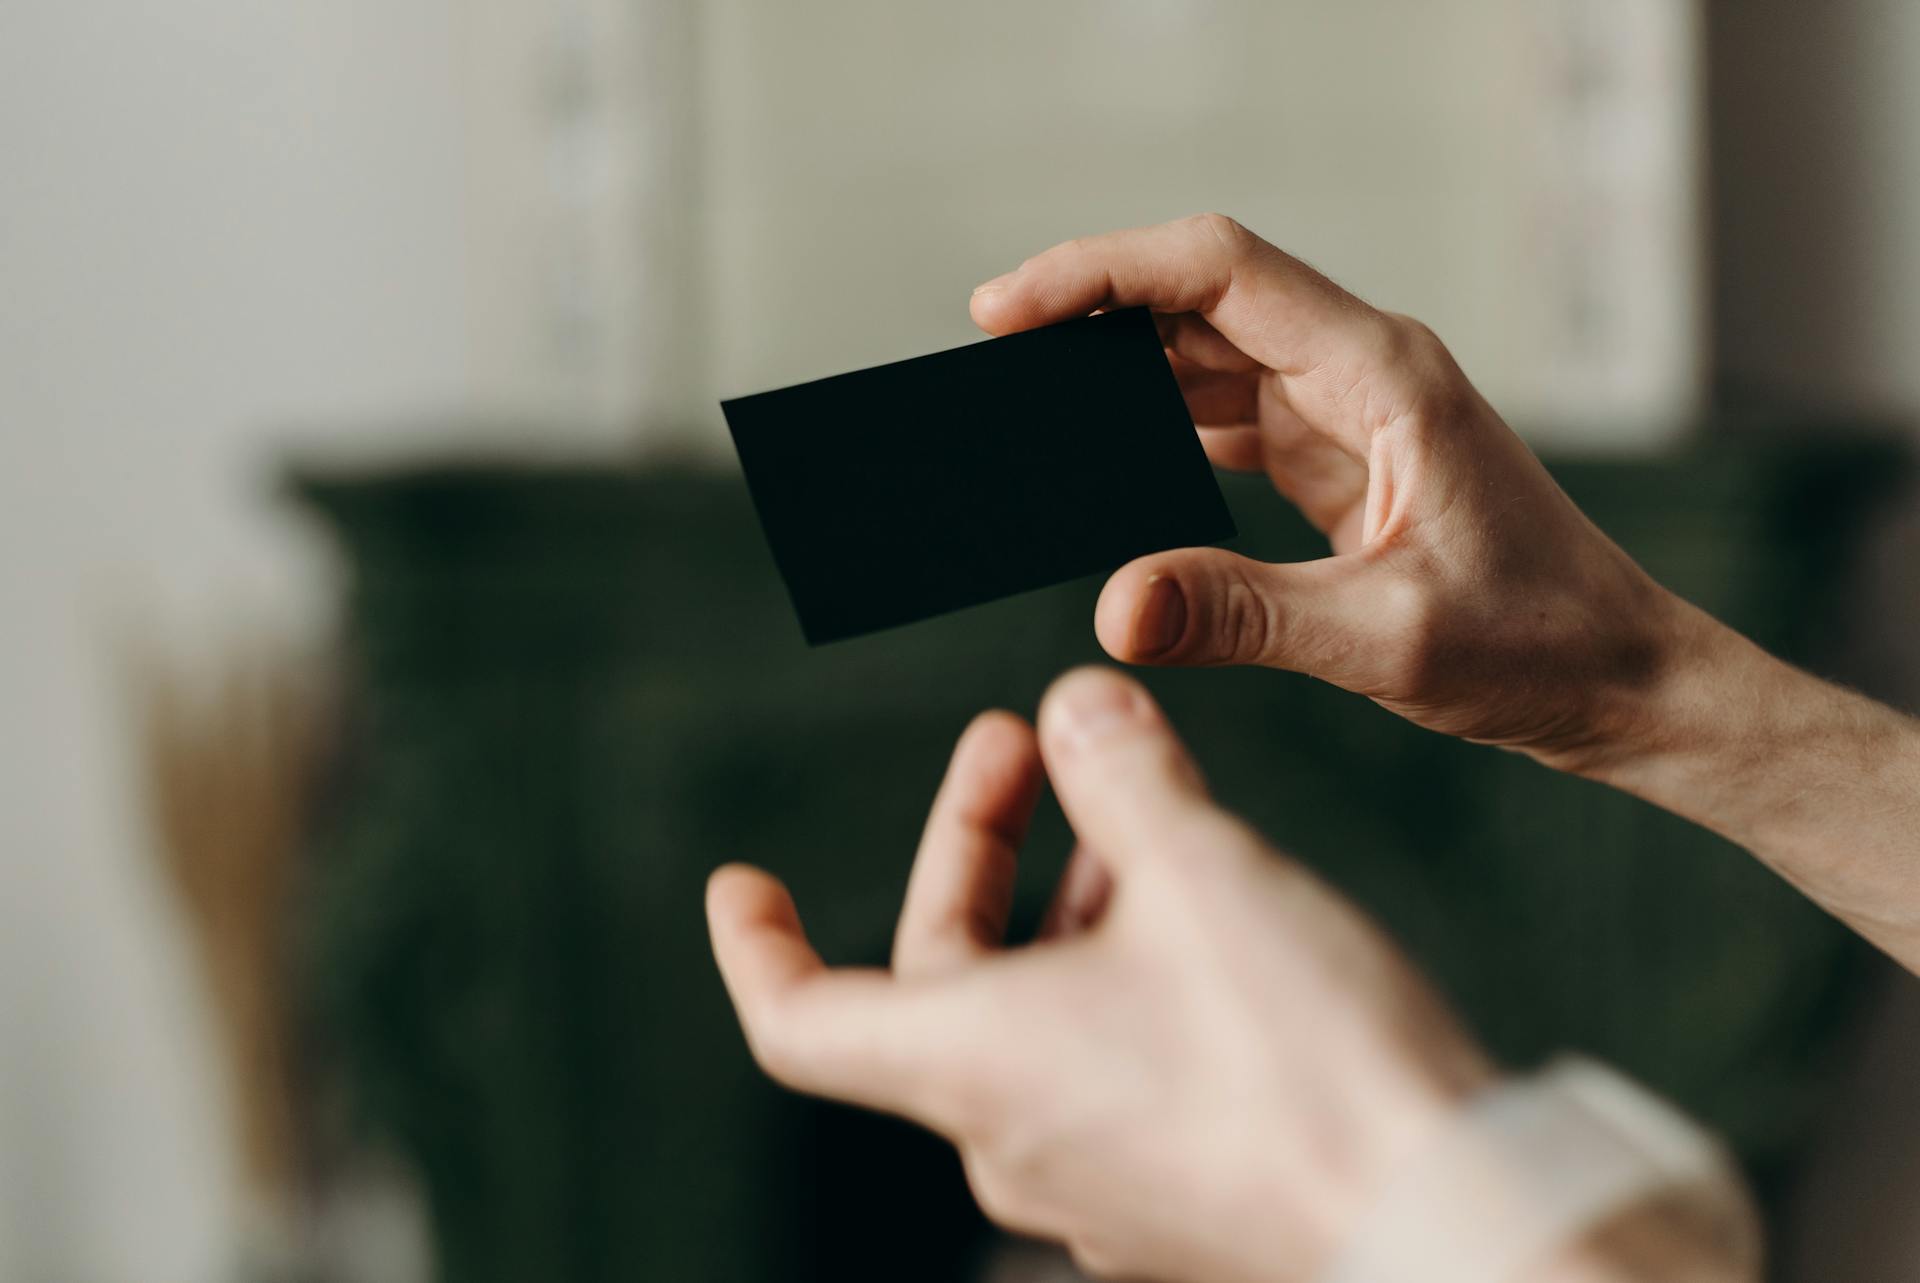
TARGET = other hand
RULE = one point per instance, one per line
(1205, 1068)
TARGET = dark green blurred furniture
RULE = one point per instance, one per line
(575, 692)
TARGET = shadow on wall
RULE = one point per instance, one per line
(1815, 202)
(1816, 235)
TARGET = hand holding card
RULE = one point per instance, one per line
(908, 490)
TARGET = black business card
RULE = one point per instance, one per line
(911, 489)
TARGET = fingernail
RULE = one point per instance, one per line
(1092, 707)
(993, 286)
(1162, 620)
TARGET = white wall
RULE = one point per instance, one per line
(1520, 174)
(226, 228)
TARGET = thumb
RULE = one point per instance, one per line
(1206, 606)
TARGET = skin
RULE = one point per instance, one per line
(1210, 1063)
(1465, 591)
(1203, 1077)
(1203, 1070)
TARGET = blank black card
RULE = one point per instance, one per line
(912, 489)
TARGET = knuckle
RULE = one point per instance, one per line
(1423, 626)
(1417, 346)
(966, 1105)
(1004, 1149)
(1435, 390)
(1227, 231)
(1249, 624)
(773, 1057)
(992, 1192)
(1412, 337)
(776, 1046)
(1006, 1163)
(1096, 1260)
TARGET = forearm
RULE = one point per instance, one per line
(1821, 783)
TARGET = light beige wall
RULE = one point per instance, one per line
(226, 230)
(1817, 202)
(1816, 216)
(870, 161)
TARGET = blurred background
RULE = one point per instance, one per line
(387, 649)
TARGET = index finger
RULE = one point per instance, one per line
(961, 888)
(852, 1034)
(1267, 303)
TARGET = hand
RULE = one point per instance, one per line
(1466, 592)
(1205, 1068)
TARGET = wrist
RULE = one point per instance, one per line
(1819, 782)
(1694, 709)
(1572, 1175)
(1411, 1105)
